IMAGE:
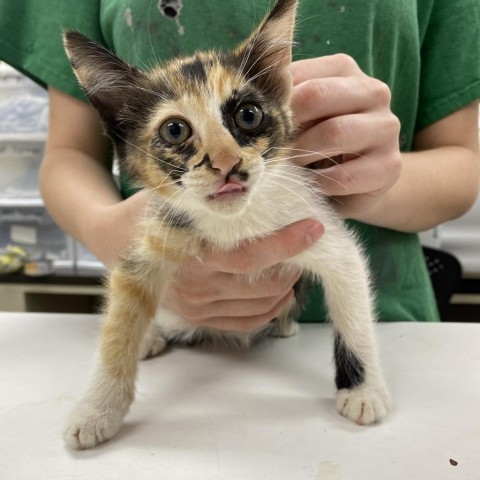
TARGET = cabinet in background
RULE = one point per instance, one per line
(24, 220)
(76, 283)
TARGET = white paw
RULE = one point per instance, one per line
(285, 329)
(152, 344)
(364, 405)
(88, 427)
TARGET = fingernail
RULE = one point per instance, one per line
(314, 232)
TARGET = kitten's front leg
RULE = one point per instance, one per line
(335, 259)
(98, 416)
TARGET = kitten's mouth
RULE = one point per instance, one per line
(228, 189)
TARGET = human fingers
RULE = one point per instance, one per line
(339, 65)
(202, 314)
(317, 99)
(199, 286)
(227, 301)
(369, 174)
(355, 134)
(253, 256)
(248, 324)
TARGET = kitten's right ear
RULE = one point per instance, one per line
(105, 78)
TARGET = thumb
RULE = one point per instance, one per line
(256, 255)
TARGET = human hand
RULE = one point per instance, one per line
(114, 227)
(215, 290)
(348, 133)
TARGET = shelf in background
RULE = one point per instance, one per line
(61, 276)
(21, 202)
(34, 137)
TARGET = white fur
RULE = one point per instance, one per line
(335, 260)
(99, 415)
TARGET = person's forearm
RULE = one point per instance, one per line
(74, 188)
(435, 186)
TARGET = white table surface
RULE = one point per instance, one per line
(268, 414)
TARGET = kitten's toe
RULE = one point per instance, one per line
(285, 329)
(364, 405)
(152, 345)
(88, 427)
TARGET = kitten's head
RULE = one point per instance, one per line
(198, 130)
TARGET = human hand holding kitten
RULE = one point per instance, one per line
(348, 131)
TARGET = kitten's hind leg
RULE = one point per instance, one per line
(98, 416)
(153, 342)
(285, 325)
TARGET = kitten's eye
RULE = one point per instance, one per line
(175, 131)
(248, 116)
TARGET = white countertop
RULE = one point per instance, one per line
(267, 415)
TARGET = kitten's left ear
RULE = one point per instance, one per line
(266, 55)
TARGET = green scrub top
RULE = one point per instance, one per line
(427, 51)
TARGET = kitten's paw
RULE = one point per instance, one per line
(285, 329)
(152, 344)
(88, 427)
(364, 405)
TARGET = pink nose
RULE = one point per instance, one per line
(224, 163)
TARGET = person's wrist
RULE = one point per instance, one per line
(111, 228)
(99, 223)
(377, 208)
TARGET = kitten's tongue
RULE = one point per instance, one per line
(229, 187)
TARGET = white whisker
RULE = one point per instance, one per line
(281, 185)
(317, 172)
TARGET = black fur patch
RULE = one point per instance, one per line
(205, 161)
(177, 175)
(194, 70)
(119, 104)
(350, 370)
(280, 9)
(301, 290)
(185, 151)
(180, 220)
(171, 165)
(242, 174)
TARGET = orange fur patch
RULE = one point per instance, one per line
(177, 248)
(131, 308)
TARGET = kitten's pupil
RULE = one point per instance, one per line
(175, 131)
(248, 116)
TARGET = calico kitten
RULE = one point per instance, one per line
(209, 135)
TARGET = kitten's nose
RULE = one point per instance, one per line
(224, 163)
